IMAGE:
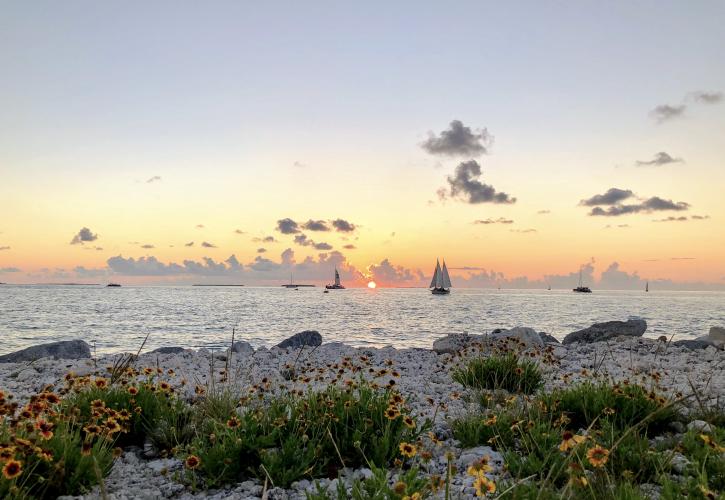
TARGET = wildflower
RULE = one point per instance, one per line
(408, 450)
(397, 399)
(413, 496)
(45, 429)
(598, 456)
(392, 413)
(98, 404)
(148, 371)
(479, 467)
(165, 386)
(138, 410)
(6, 453)
(707, 493)
(112, 426)
(436, 483)
(608, 411)
(124, 414)
(400, 487)
(101, 383)
(199, 390)
(426, 456)
(519, 371)
(12, 469)
(133, 390)
(233, 423)
(117, 452)
(434, 438)
(46, 455)
(570, 440)
(192, 462)
(51, 398)
(409, 422)
(483, 486)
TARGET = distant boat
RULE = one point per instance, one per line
(295, 286)
(113, 285)
(646, 287)
(441, 282)
(336, 285)
(581, 288)
(549, 288)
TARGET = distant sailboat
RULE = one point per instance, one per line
(441, 282)
(581, 288)
(646, 287)
(336, 285)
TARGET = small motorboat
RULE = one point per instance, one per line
(113, 285)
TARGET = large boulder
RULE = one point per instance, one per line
(717, 334)
(605, 331)
(698, 343)
(168, 350)
(523, 334)
(245, 347)
(548, 339)
(306, 338)
(65, 349)
(452, 343)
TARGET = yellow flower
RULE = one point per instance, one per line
(101, 383)
(192, 462)
(400, 487)
(483, 486)
(233, 423)
(491, 420)
(408, 450)
(414, 496)
(392, 413)
(12, 469)
(409, 422)
(570, 441)
(598, 456)
(707, 493)
(479, 467)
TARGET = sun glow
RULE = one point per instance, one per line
(372, 284)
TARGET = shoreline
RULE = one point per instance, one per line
(420, 375)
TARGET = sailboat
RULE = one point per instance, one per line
(646, 287)
(581, 288)
(441, 282)
(336, 285)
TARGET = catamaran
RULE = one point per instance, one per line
(441, 282)
(581, 288)
(336, 285)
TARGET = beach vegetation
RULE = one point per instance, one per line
(508, 372)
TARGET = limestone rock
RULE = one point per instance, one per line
(698, 343)
(168, 350)
(452, 343)
(65, 349)
(717, 334)
(306, 338)
(548, 339)
(528, 336)
(243, 347)
(607, 330)
(699, 426)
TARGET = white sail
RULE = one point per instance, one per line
(445, 278)
(435, 282)
(337, 278)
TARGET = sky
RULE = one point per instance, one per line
(233, 142)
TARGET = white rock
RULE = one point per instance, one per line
(529, 336)
(699, 425)
(717, 334)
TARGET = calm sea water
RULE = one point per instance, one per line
(117, 319)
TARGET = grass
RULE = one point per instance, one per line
(500, 372)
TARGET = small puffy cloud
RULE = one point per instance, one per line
(458, 140)
(9, 270)
(682, 218)
(653, 204)
(659, 159)
(261, 250)
(665, 112)
(523, 231)
(543, 212)
(349, 246)
(4, 248)
(303, 240)
(200, 226)
(707, 97)
(155, 178)
(343, 226)
(84, 235)
(265, 239)
(500, 220)
(611, 197)
(190, 244)
(148, 247)
(700, 217)
(300, 164)
(322, 246)
(316, 225)
(206, 244)
(287, 226)
(465, 185)
(239, 231)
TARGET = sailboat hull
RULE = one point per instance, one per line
(440, 291)
(334, 287)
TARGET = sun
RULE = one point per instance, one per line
(371, 284)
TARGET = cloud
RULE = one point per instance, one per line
(699, 217)
(83, 272)
(611, 197)
(682, 218)
(148, 247)
(653, 204)
(322, 246)
(707, 97)
(500, 220)
(316, 225)
(303, 240)
(458, 140)
(387, 273)
(530, 230)
(83, 236)
(349, 246)
(9, 270)
(265, 239)
(665, 112)
(4, 248)
(343, 226)
(543, 212)
(287, 226)
(206, 244)
(659, 159)
(155, 178)
(682, 258)
(618, 225)
(464, 184)
(190, 244)
(261, 250)
(239, 231)
(299, 164)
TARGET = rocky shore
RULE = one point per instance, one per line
(612, 351)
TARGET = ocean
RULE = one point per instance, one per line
(118, 319)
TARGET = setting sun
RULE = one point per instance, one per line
(372, 284)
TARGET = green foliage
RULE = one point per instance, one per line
(377, 487)
(705, 453)
(496, 372)
(289, 438)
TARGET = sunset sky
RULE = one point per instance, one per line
(231, 142)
